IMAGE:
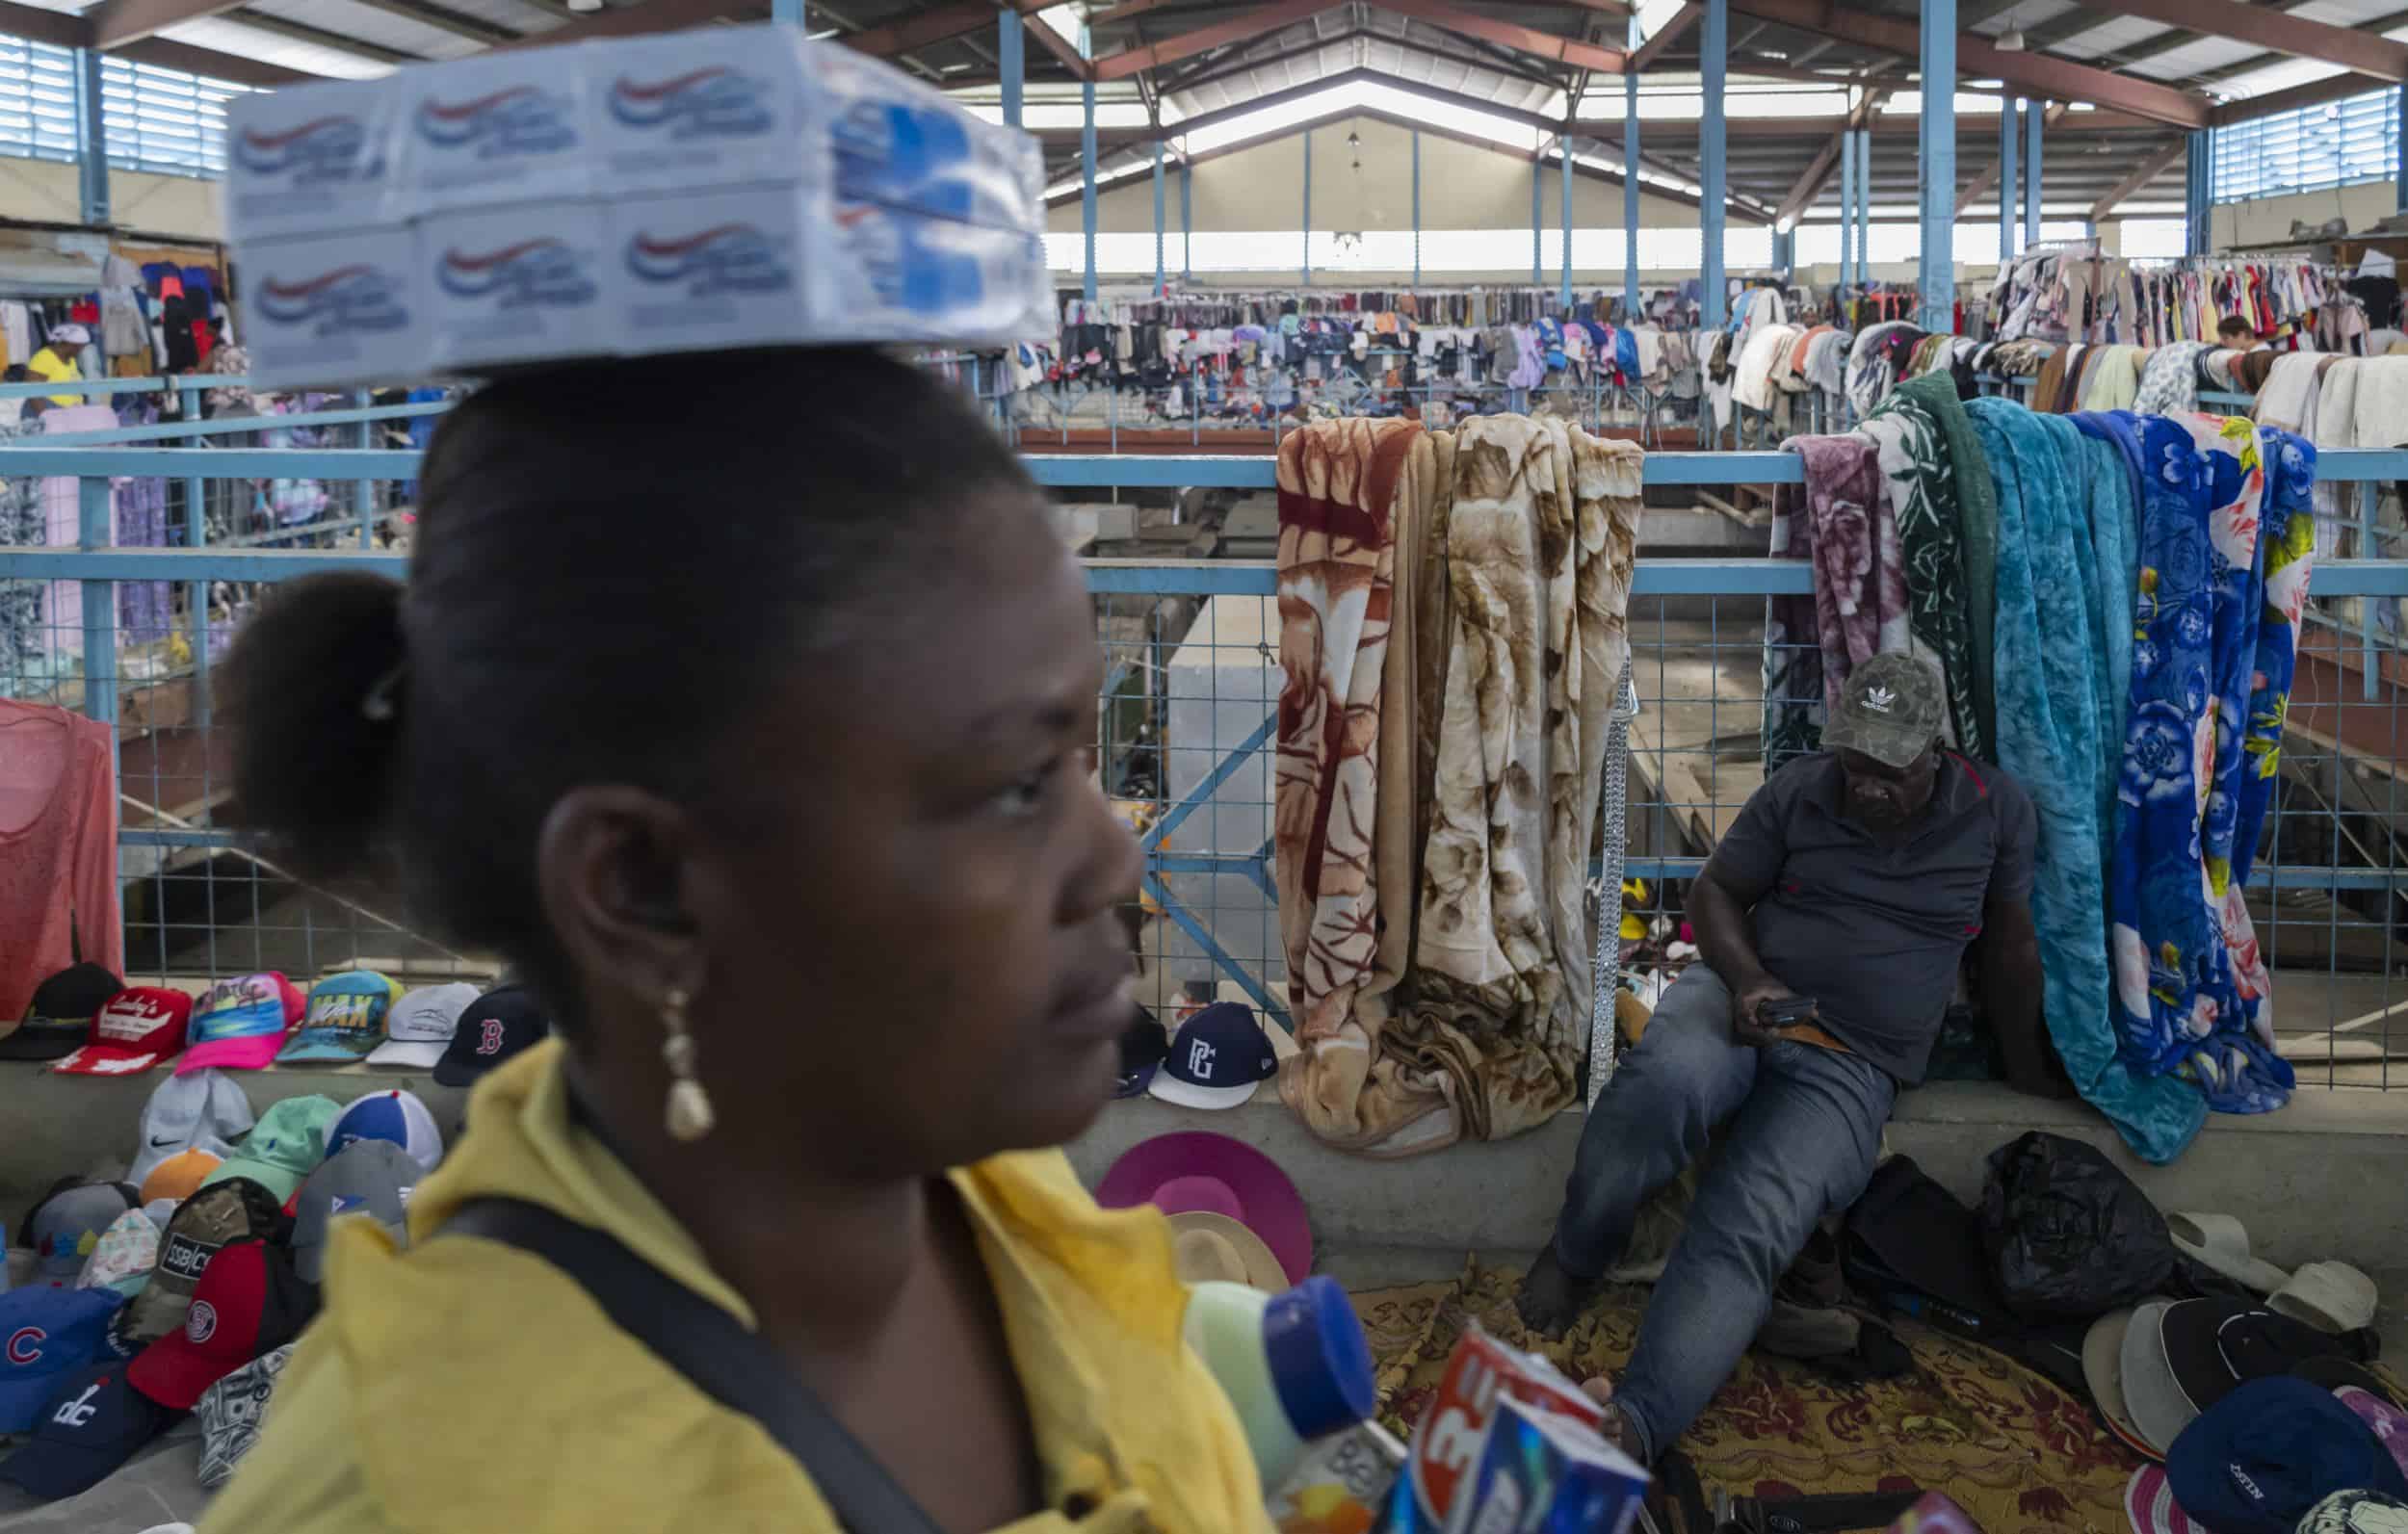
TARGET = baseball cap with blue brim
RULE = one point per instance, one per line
(1891, 709)
(344, 1021)
(240, 1024)
(46, 1335)
(420, 1027)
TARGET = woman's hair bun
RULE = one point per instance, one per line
(315, 693)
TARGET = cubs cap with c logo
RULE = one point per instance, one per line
(496, 1025)
(45, 1335)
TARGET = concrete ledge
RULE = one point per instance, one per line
(2325, 1178)
(86, 1125)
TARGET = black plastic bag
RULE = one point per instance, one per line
(2068, 1236)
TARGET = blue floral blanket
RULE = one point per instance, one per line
(2061, 566)
(2227, 542)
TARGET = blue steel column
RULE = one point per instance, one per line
(196, 592)
(1538, 182)
(1417, 208)
(1158, 214)
(1565, 294)
(1847, 207)
(1629, 184)
(1008, 42)
(1936, 276)
(93, 531)
(1308, 209)
(1864, 207)
(2010, 178)
(2399, 126)
(2035, 118)
(92, 156)
(786, 10)
(1713, 51)
(1186, 220)
(2196, 183)
(1086, 160)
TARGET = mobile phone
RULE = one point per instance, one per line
(1788, 1012)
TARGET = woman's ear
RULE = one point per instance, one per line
(611, 871)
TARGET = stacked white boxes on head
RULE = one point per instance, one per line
(730, 187)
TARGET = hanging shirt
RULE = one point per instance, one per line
(50, 367)
(57, 849)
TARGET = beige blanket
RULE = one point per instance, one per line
(1353, 497)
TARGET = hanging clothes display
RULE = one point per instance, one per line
(2225, 545)
(22, 525)
(57, 849)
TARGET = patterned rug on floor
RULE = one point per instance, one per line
(2020, 1454)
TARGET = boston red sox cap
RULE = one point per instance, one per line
(496, 1025)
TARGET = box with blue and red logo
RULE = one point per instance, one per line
(334, 307)
(740, 186)
(502, 284)
(309, 160)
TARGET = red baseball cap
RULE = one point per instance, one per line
(250, 1301)
(134, 1030)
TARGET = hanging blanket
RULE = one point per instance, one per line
(1352, 498)
(2225, 542)
(2169, 381)
(2051, 669)
(1538, 575)
(1911, 437)
(1793, 681)
(1860, 573)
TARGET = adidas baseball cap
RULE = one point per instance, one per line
(59, 1020)
(92, 1425)
(250, 1302)
(66, 1225)
(180, 1176)
(393, 1115)
(241, 1024)
(1216, 1059)
(496, 1025)
(422, 1025)
(202, 1226)
(345, 1017)
(372, 1178)
(1891, 709)
(134, 1030)
(45, 1335)
(285, 1146)
(204, 1110)
(126, 1253)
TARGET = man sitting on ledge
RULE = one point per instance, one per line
(1832, 919)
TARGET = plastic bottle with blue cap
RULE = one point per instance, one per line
(1295, 1366)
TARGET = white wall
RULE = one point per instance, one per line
(46, 191)
(2267, 220)
(1462, 188)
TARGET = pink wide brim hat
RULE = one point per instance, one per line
(1196, 1171)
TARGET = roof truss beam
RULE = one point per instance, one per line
(2295, 37)
(1507, 34)
(2034, 74)
(1675, 27)
(2155, 166)
(1203, 39)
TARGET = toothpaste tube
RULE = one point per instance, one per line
(1452, 1433)
(899, 275)
(1340, 1484)
(1542, 1474)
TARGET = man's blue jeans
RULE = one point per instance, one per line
(1801, 1126)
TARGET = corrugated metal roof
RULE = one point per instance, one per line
(268, 48)
(382, 29)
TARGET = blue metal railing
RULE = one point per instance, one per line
(100, 567)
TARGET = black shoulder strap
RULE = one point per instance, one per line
(711, 1350)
